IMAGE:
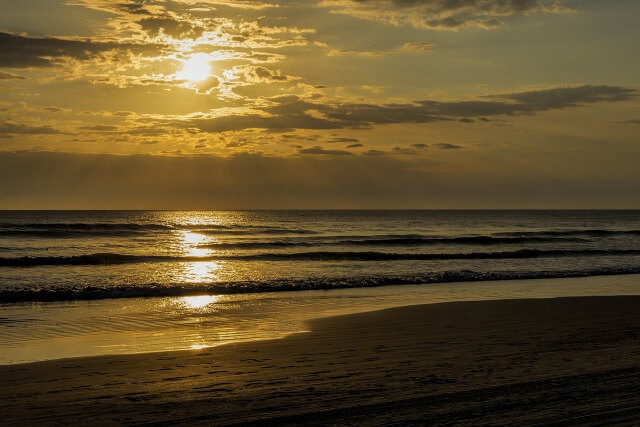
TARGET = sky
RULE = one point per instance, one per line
(277, 104)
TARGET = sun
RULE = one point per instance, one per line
(196, 68)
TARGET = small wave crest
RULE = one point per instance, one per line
(61, 230)
(391, 240)
(116, 259)
(250, 231)
(281, 285)
(571, 232)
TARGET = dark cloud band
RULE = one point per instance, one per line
(17, 51)
(292, 112)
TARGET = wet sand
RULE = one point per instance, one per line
(565, 360)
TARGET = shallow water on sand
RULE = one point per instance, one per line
(51, 330)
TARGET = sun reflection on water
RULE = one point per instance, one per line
(199, 301)
(200, 272)
(198, 346)
(193, 244)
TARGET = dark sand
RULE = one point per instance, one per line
(570, 360)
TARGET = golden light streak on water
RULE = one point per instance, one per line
(199, 301)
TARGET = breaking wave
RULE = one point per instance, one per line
(117, 259)
(62, 230)
(391, 240)
(279, 285)
(572, 232)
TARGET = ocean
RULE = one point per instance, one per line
(76, 283)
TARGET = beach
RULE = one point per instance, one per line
(534, 361)
(329, 212)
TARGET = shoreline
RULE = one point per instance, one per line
(53, 331)
(415, 362)
(308, 323)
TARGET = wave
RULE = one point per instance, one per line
(391, 240)
(90, 259)
(60, 230)
(84, 226)
(280, 285)
(251, 231)
(261, 245)
(116, 259)
(242, 229)
(464, 240)
(571, 232)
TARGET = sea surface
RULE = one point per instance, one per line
(48, 256)
(102, 282)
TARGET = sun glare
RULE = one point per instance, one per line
(199, 301)
(196, 69)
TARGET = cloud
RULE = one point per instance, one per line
(410, 150)
(375, 153)
(447, 146)
(629, 122)
(292, 112)
(417, 47)
(8, 128)
(18, 51)
(343, 140)
(409, 47)
(240, 4)
(9, 76)
(403, 150)
(99, 128)
(442, 14)
(55, 109)
(206, 86)
(170, 26)
(322, 151)
(570, 96)
(25, 107)
(261, 74)
(142, 43)
(531, 102)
